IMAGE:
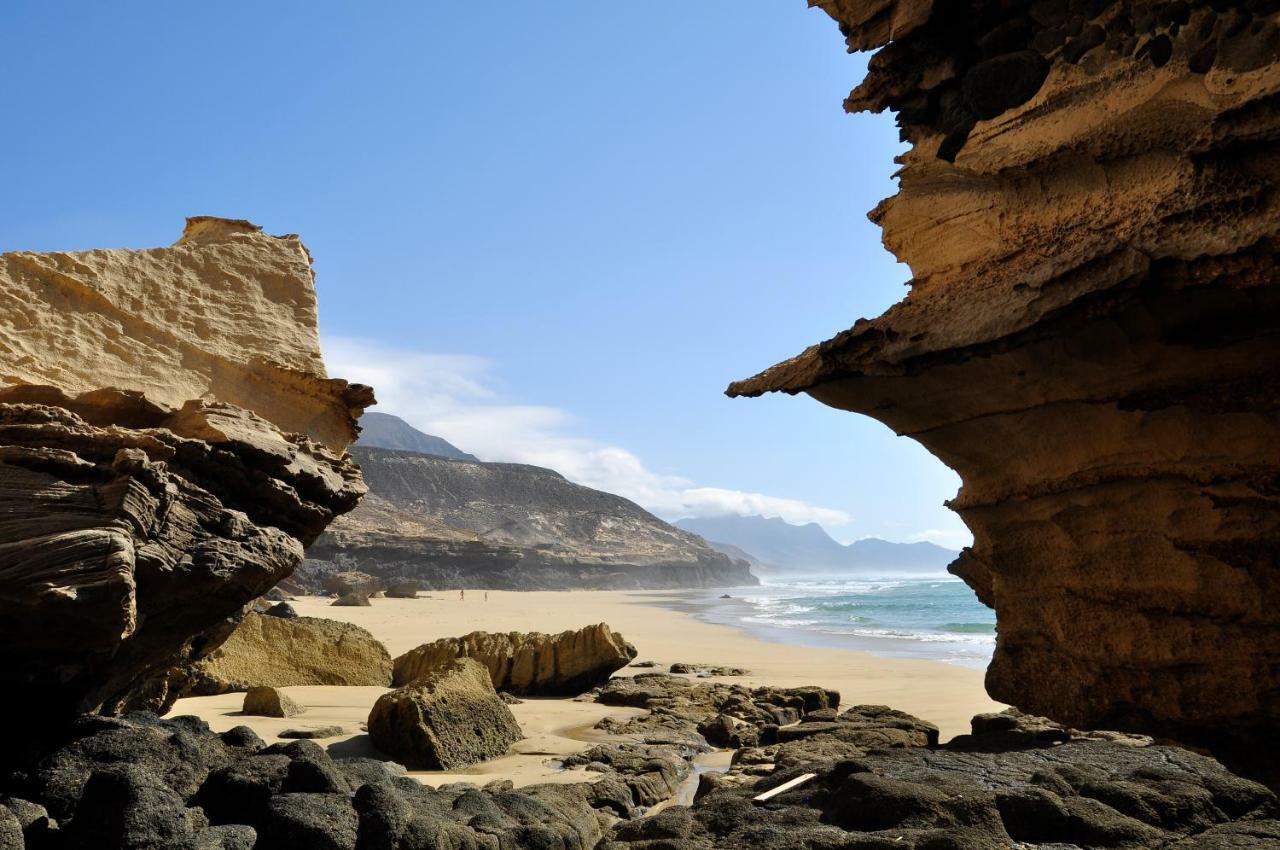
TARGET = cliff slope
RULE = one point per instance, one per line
(1090, 212)
(457, 523)
(384, 431)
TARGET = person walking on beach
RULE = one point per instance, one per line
(462, 596)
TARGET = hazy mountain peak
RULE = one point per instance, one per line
(772, 541)
(385, 431)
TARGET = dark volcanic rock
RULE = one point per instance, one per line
(537, 664)
(457, 523)
(149, 784)
(1089, 214)
(282, 609)
(181, 752)
(130, 808)
(708, 670)
(310, 822)
(311, 733)
(685, 712)
(987, 793)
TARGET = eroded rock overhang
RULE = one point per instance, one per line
(1092, 341)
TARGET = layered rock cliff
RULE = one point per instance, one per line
(226, 312)
(457, 523)
(168, 444)
(1090, 212)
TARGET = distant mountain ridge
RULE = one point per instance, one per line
(451, 522)
(384, 431)
(772, 543)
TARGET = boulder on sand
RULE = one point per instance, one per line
(450, 718)
(282, 609)
(352, 581)
(528, 664)
(282, 653)
(352, 600)
(403, 590)
(266, 701)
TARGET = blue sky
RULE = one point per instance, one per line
(550, 232)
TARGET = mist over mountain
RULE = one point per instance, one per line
(385, 431)
(772, 544)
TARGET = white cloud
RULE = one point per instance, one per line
(453, 396)
(951, 538)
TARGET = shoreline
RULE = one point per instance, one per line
(707, 605)
(944, 694)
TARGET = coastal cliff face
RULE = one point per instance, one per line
(455, 523)
(227, 312)
(142, 505)
(1090, 212)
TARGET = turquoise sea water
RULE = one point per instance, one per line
(936, 617)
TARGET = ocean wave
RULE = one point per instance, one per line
(969, 628)
(933, 611)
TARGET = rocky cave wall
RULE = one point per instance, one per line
(1089, 209)
(169, 442)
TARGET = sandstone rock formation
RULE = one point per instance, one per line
(448, 718)
(270, 702)
(352, 581)
(1091, 217)
(404, 590)
(527, 664)
(126, 548)
(226, 312)
(281, 652)
(456, 523)
(169, 443)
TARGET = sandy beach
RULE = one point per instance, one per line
(944, 694)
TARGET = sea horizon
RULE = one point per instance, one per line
(932, 616)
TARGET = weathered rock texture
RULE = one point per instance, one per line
(138, 782)
(169, 443)
(449, 523)
(882, 782)
(226, 312)
(281, 652)
(270, 702)
(527, 664)
(448, 718)
(1090, 212)
(1005, 786)
(125, 549)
